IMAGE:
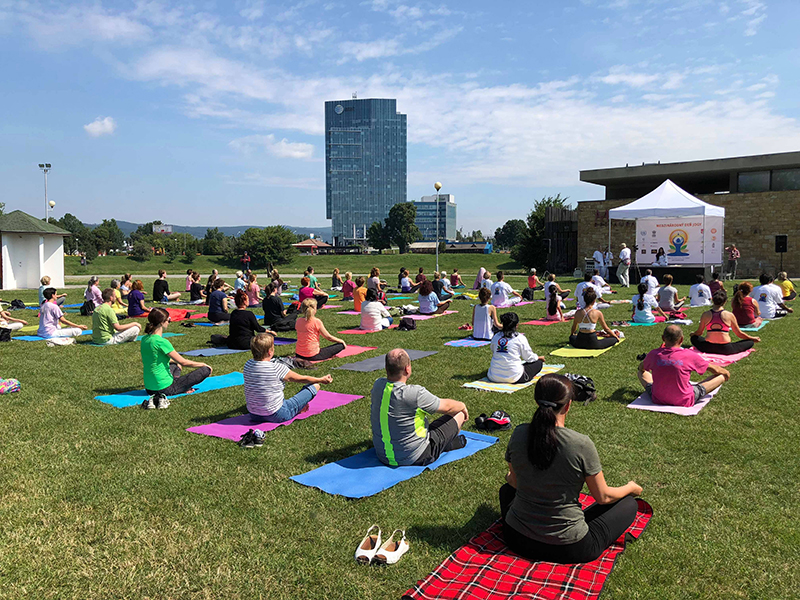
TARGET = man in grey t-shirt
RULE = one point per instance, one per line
(399, 417)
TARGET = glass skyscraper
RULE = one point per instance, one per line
(365, 165)
(426, 216)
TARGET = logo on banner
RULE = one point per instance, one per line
(678, 242)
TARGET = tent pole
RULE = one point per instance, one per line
(609, 232)
(704, 243)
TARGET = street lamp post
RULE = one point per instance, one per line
(45, 167)
(437, 186)
(50, 207)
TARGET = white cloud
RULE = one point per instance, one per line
(621, 75)
(101, 126)
(279, 148)
(76, 25)
(361, 51)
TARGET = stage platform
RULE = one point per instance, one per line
(681, 274)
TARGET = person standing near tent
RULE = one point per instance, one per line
(599, 260)
(624, 265)
(733, 259)
(608, 261)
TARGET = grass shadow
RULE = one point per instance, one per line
(623, 395)
(234, 412)
(473, 377)
(450, 537)
(332, 455)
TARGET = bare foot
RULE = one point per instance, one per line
(191, 391)
(304, 409)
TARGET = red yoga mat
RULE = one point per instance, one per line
(485, 568)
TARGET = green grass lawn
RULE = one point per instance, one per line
(468, 264)
(99, 502)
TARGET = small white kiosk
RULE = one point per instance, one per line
(31, 249)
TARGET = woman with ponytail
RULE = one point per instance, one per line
(744, 308)
(162, 365)
(548, 466)
(584, 327)
(513, 361)
(643, 306)
(309, 330)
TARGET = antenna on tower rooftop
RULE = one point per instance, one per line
(355, 95)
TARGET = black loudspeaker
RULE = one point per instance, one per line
(781, 243)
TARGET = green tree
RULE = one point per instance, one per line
(108, 236)
(144, 230)
(80, 233)
(531, 251)
(142, 251)
(215, 242)
(378, 237)
(510, 234)
(266, 247)
(400, 225)
(2, 208)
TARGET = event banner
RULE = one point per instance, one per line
(682, 240)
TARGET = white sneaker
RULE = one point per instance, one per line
(392, 550)
(369, 546)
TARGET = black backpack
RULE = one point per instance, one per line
(407, 324)
(584, 388)
(17, 304)
(87, 308)
(527, 294)
(5, 334)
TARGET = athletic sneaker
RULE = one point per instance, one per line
(161, 401)
(149, 404)
(247, 440)
(258, 438)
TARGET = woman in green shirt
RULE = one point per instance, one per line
(162, 364)
(548, 466)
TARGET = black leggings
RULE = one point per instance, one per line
(606, 523)
(321, 300)
(591, 341)
(325, 353)
(531, 370)
(218, 317)
(181, 385)
(792, 295)
(701, 344)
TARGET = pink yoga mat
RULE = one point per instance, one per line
(235, 427)
(723, 360)
(349, 312)
(332, 306)
(644, 402)
(541, 322)
(517, 304)
(363, 331)
(426, 317)
(349, 351)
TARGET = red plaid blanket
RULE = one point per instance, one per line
(485, 568)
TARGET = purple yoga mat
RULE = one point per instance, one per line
(426, 317)
(233, 428)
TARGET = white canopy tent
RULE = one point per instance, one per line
(667, 201)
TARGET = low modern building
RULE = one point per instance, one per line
(426, 216)
(311, 245)
(760, 194)
(31, 249)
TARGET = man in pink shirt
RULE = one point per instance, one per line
(666, 372)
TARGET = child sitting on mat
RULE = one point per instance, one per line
(264, 382)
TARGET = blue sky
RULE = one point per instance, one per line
(211, 113)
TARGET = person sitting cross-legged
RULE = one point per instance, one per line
(309, 330)
(719, 322)
(585, 324)
(9, 322)
(700, 293)
(513, 361)
(401, 432)
(666, 372)
(744, 308)
(502, 294)
(374, 315)
(643, 305)
(786, 285)
(264, 380)
(51, 318)
(770, 298)
(429, 303)
(667, 296)
(106, 329)
(548, 465)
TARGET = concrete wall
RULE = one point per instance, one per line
(751, 222)
(28, 257)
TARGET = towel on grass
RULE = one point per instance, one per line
(484, 568)
(724, 360)
(570, 352)
(376, 363)
(357, 331)
(645, 402)
(468, 342)
(364, 475)
(233, 428)
(509, 388)
(135, 397)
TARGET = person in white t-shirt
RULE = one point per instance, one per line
(651, 282)
(503, 295)
(700, 293)
(582, 286)
(486, 282)
(608, 261)
(770, 298)
(513, 361)
(661, 259)
(624, 265)
(599, 258)
(597, 279)
(264, 382)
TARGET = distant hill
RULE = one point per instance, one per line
(199, 232)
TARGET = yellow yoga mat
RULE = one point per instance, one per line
(28, 328)
(570, 352)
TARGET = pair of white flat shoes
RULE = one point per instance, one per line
(371, 550)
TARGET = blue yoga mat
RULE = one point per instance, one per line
(135, 397)
(364, 475)
(751, 328)
(220, 324)
(216, 351)
(36, 338)
(72, 305)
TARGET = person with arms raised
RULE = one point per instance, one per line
(548, 465)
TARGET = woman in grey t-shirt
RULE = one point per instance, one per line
(668, 296)
(548, 465)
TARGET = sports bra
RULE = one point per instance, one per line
(586, 326)
(717, 324)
